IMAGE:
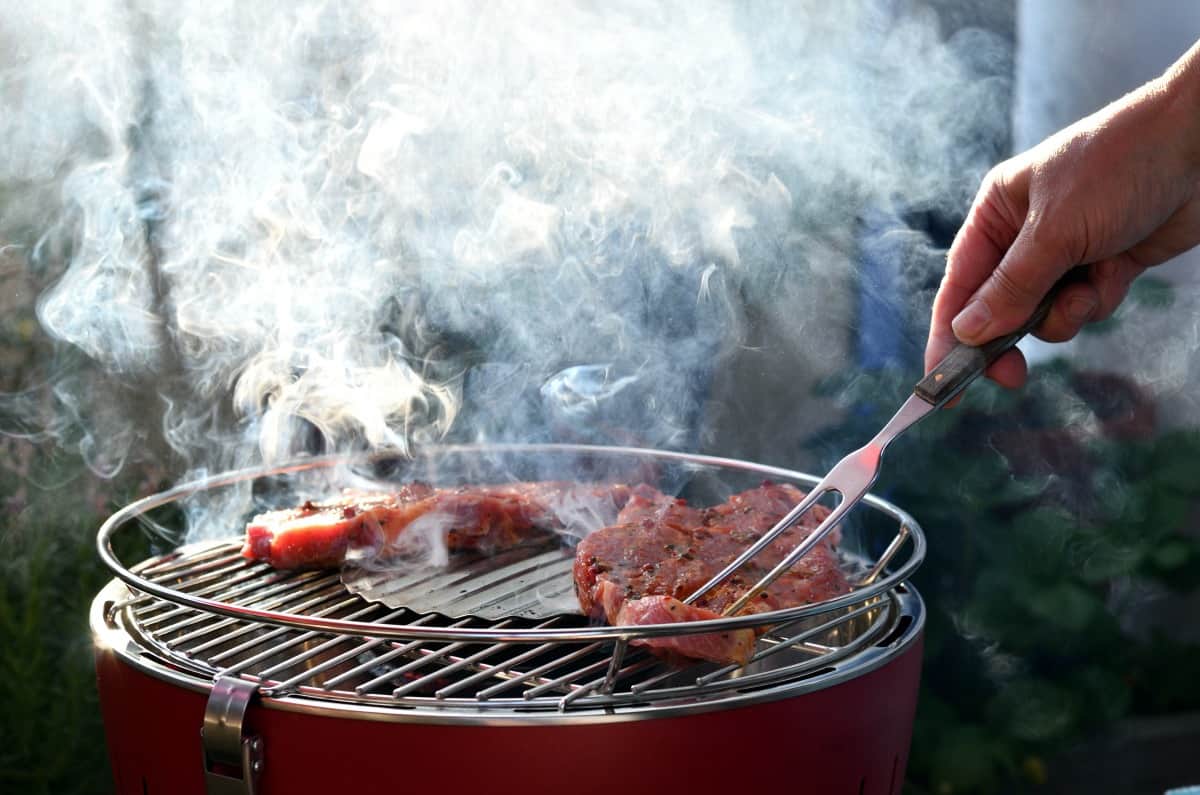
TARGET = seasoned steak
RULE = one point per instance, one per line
(722, 647)
(662, 548)
(480, 518)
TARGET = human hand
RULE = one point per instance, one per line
(1118, 190)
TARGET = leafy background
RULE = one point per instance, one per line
(1063, 527)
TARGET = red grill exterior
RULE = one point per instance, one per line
(852, 737)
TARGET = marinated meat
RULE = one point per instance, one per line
(728, 646)
(481, 518)
(661, 550)
(652, 552)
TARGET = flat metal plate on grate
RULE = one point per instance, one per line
(527, 582)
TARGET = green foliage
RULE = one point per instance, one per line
(51, 740)
(1037, 509)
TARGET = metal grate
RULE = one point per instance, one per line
(208, 611)
(558, 675)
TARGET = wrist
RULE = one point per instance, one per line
(1180, 90)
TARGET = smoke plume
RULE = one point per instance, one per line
(269, 228)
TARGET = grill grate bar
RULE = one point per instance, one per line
(260, 639)
(269, 635)
(282, 593)
(473, 660)
(319, 597)
(565, 680)
(892, 548)
(493, 671)
(191, 572)
(433, 656)
(315, 651)
(273, 651)
(393, 654)
(647, 684)
(183, 561)
(787, 643)
(332, 662)
(242, 584)
(182, 567)
(811, 664)
(367, 646)
(815, 649)
(609, 680)
(419, 682)
(544, 668)
(217, 622)
(215, 581)
(192, 578)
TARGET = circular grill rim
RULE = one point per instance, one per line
(124, 517)
(116, 638)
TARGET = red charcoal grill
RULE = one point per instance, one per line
(221, 675)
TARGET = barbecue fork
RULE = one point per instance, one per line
(853, 475)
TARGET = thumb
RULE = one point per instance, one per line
(1007, 298)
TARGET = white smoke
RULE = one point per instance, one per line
(299, 226)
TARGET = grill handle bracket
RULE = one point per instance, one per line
(226, 750)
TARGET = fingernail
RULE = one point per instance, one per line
(1080, 308)
(972, 320)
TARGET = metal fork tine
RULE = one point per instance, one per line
(818, 491)
(850, 478)
(815, 537)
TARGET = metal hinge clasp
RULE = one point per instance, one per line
(226, 750)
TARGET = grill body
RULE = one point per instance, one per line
(849, 737)
(222, 676)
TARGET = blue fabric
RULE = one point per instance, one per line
(880, 320)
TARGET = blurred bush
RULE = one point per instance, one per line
(1056, 517)
(51, 739)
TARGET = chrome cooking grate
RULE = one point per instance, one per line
(419, 673)
(205, 610)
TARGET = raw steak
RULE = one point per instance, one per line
(660, 550)
(485, 519)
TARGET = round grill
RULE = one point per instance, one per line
(303, 638)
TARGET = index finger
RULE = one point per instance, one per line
(976, 251)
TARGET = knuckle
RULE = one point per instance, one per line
(993, 189)
(998, 212)
(1057, 234)
(996, 177)
(991, 222)
(1011, 292)
(1045, 236)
